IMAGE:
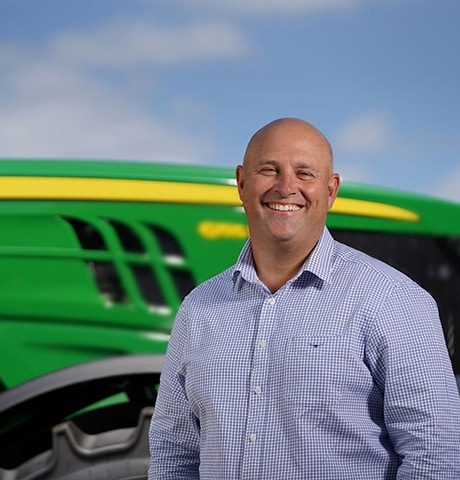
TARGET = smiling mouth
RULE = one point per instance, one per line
(282, 207)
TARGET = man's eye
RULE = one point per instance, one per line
(304, 174)
(269, 170)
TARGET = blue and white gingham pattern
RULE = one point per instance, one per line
(341, 374)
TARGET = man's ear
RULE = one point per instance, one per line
(240, 180)
(333, 189)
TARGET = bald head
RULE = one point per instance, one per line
(291, 130)
(287, 186)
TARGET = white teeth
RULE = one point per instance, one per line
(282, 207)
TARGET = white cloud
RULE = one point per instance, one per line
(447, 186)
(364, 133)
(125, 44)
(354, 172)
(54, 104)
(270, 7)
(94, 126)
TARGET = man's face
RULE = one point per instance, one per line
(287, 185)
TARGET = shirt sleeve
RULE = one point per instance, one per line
(174, 430)
(411, 365)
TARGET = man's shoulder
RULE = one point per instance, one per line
(358, 261)
(217, 284)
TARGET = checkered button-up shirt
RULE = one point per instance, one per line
(341, 374)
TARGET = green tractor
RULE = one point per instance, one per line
(95, 258)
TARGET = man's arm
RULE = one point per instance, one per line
(421, 401)
(174, 430)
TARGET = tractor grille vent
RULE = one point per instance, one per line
(134, 262)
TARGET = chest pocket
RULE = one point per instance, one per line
(314, 371)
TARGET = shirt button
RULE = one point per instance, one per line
(271, 301)
(253, 437)
(258, 390)
(263, 343)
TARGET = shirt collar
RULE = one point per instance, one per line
(318, 262)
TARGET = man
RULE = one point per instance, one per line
(307, 359)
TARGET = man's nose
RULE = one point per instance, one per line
(285, 184)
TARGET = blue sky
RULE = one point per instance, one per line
(190, 80)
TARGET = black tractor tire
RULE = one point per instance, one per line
(64, 425)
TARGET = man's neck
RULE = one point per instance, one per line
(277, 265)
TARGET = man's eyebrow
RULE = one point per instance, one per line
(266, 161)
(276, 163)
(306, 166)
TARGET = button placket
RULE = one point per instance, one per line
(257, 400)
